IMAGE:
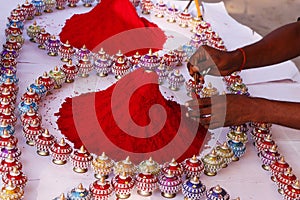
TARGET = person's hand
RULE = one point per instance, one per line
(216, 61)
(224, 110)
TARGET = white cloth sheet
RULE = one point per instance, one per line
(245, 178)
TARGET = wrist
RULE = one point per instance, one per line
(236, 60)
(261, 110)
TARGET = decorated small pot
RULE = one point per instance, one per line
(192, 87)
(217, 193)
(9, 95)
(6, 105)
(8, 117)
(209, 33)
(16, 36)
(13, 28)
(49, 5)
(150, 166)
(8, 60)
(8, 164)
(102, 66)
(269, 156)
(146, 183)
(195, 22)
(120, 68)
(70, 71)
(238, 148)
(226, 153)
(11, 86)
(173, 166)
(102, 166)
(11, 192)
(66, 51)
(19, 12)
(41, 38)
(31, 131)
(17, 177)
(123, 185)
(73, 3)
(39, 7)
(83, 52)
(10, 149)
(81, 160)
(6, 138)
(169, 184)
(60, 152)
(265, 143)
(102, 53)
(172, 14)
(26, 105)
(202, 27)
(193, 167)
(189, 49)
(85, 66)
(279, 166)
(260, 132)
(60, 4)
(9, 75)
(146, 6)
(101, 189)
(79, 193)
(184, 19)
(215, 40)
(193, 188)
(58, 76)
(292, 192)
(238, 87)
(125, 166)
(176, 80)
(12, 43)
(233, 133)
(284, 179)
(52, 45)
(181, 55)
(160, 9)
(32, 95)
(7, 67)
(47, 81)
(43, 142)
(10, 129)
(135, 61)
(150, 61)
(212, 163)
(87, 3)
(209, 91)
(29, 9)
(15, 20)
(170, 60)
(61, 197)
(162, 73)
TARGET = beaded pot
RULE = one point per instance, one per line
(70, 71)
(292, 192)
(38, 88)
(102, 166)
(193, 167)
(238, 148)
(284, 179)
(41, 38)
(209, 91)
(120, 68)
(60, 152)
(47, 81)
(73, 3)
(174, 167)
(170, 60)
(6, 138)
(123, 185)
(225, 153)
(146, 6)
(79, 193)
(66, 51)
(58, 76)
(52, 45)
(217, 193)
(83, 52)
(26, 105)
(162, 73)
(49, 5)
(193, 188)
(176, 80)
(39, 7)
(102, 66)
(60, 4)
(212, 163)
(10, 149)
(150, 166)
(101, 189)
(81, 160)
(172, 14)
(11, 192)
(125, 166)
(17, 177)
(160, 9)
(43, 142)
(237, 133)
(181, 55)
(6, 127)
(29, 9)
(184, 19)
(269, 156)
(192, 87)
(150, 61)
(265, 143)
(146, 183)
(279, 166)
(31, 131)
(169, 184)
(8, 164)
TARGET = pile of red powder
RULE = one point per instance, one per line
(113, 25)
(131, 118)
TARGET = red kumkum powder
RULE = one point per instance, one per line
(131, 118)
(113, 25)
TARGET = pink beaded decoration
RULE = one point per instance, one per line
(43, 142)
(60, 152)
(81, 160)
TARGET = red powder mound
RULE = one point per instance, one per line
(113, 25)
(131, 118)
